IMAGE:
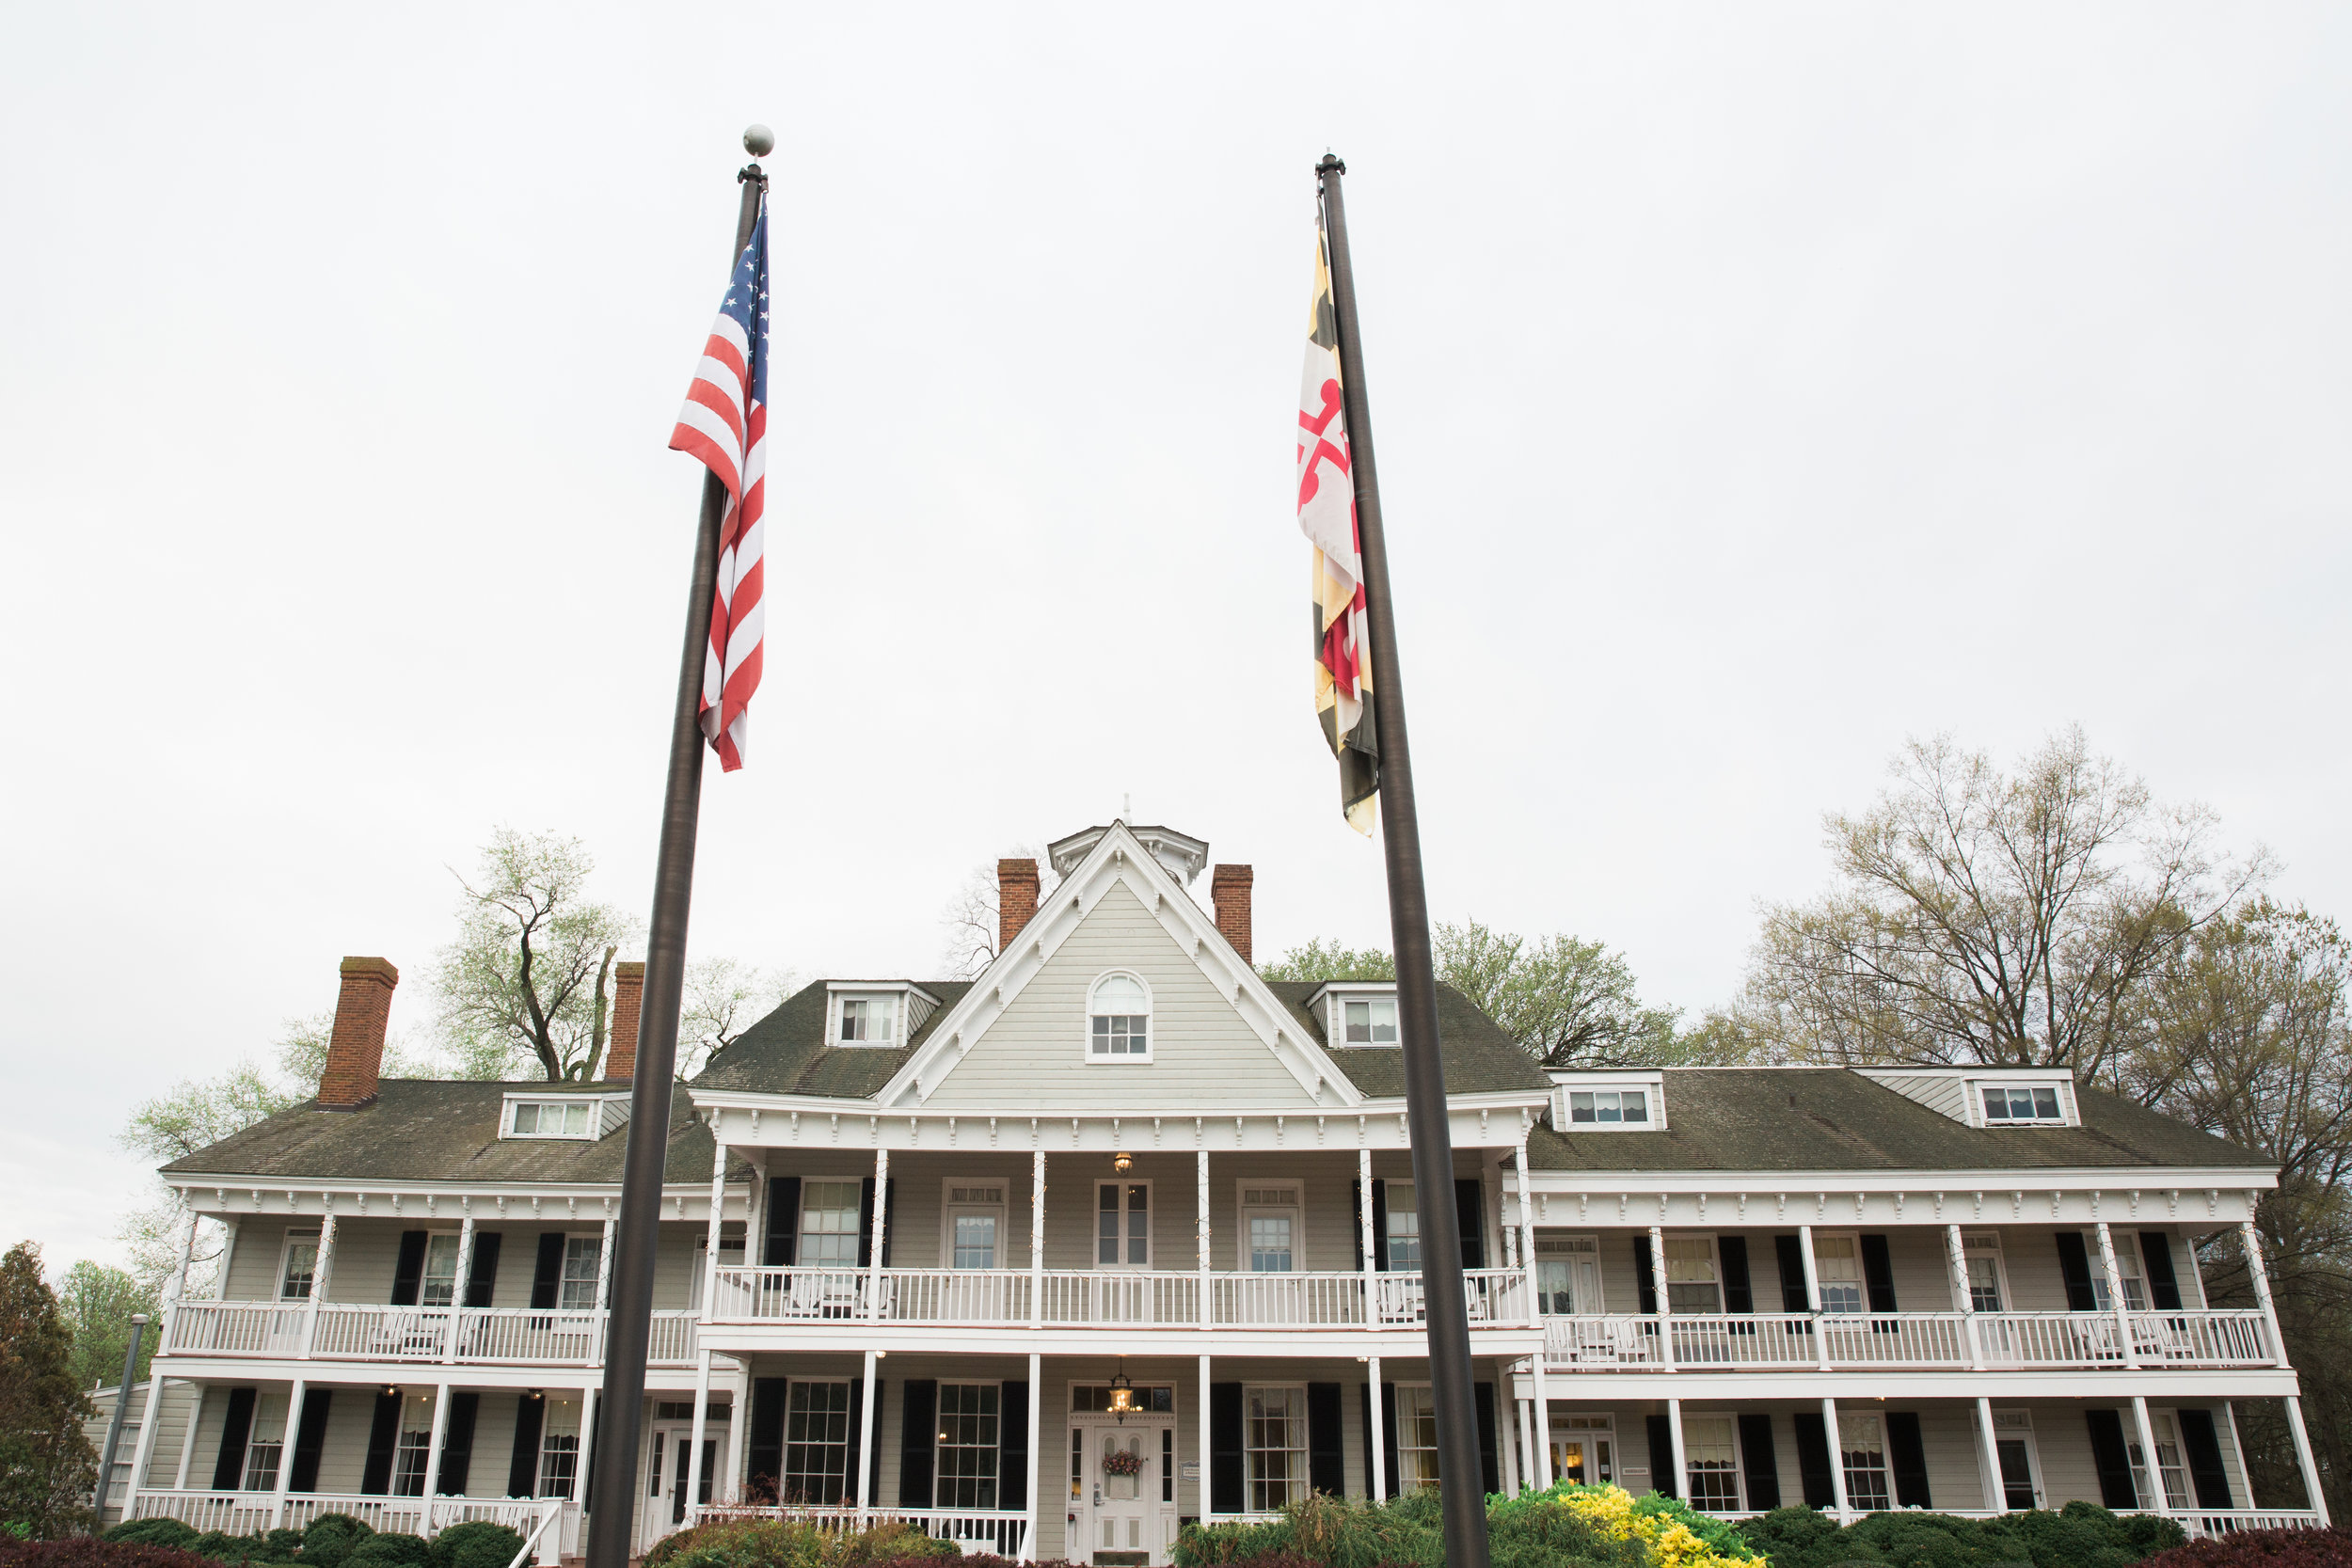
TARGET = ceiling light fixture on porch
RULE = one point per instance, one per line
(1123, 1388)
(1122, 1161)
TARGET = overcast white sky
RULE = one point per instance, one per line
(1755, 386)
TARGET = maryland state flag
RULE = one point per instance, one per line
(1326, 515)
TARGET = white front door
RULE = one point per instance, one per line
(669, 1455)
(1116, 1475)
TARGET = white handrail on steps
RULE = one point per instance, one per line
(547, 1515)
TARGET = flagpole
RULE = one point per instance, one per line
(1462, 1488)
(629, 1310)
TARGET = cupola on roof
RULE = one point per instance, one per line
(1180, 854)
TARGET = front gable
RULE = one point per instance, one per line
(1017, 1040)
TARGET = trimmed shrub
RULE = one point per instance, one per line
(86, 1551)
(153, 1532)
(476, 1544)
(332, 1537)
(391, 1549)
(2261, 1548)
(2081, 1535)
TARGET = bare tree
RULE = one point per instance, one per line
(1980, 915)
(722, 998)
(971, 915)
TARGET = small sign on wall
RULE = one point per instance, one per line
(1188, 1471)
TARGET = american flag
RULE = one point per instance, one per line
(724, 424)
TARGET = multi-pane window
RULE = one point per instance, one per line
(1119, 1015)
(1270, 1225)
(2012, 1445)
(1837, 1263)
(559, 1462)
(1711, 1458)
(1568, 1273)
(301, 1266)
(1404, 1227)
(816, 1444)
(967, 1445)
(1159, 1399)
(416, 1440)
(1862, 1447)
(1275, 1438)
(1616, 1107)
(439, 1285)
(1122, 1223)
(2167, 1460)
(829, 1226)
(1371, 1021)
(974, 1216)
(1690, 1282)
(1982, 1251)
(2022, 1102)
(869, 1019)
(583, 1257)
(1416, 1437)
(550, 1119)
(263, 1451)
(2126, 1264)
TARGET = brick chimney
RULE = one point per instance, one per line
(1229, 890)
(355, 1052)
(1016, 900)
(620, 1048)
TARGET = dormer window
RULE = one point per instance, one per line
(868, 1021)
(2012, 1104)
(880, 1015)
(551, 1118)
(1362, 1014)
(1372, 1020)
(1608, 1105)
(1119, 1020)
(1607, 1101)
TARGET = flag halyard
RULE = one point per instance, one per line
(724, 426)
(1326, 515)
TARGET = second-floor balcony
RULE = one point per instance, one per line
(359, 1331)
(2056, 1341)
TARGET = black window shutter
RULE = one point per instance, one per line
(2155, 1257)
(408, 1273)
(1738, 1295)
(857, 1432)
(1644, 1278)
(546, 1274)
(1878, 1272)
(1790, 1252)
(1356, 1219)
(2202, 1448)
(890, 1217)
(236, 1427)
(595, 1434)
(784, 1229)
(1469, 1213)
(1326, 1455)
(873, 1441)
(382, 1437)
(764, 1449)
(866, 1222)
(1489, 1463)
(1821, 1487)
(1662, 1479)
(481, 1275)
(1388, 1436)
(1758, 1462)
(2074, 1265)
(1380, 1229)
(523, 1467)
(1907, 1458)
(2108, 1455)
(1225, 1490)
(918, 1431)
(1012, 1444)
(458, 1442)
(309, 1440)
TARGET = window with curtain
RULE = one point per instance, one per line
(1568, 1273)
(1404, 1227)
(2169, 1462)
(1711, 1459)
(1416, 1437)
(1275, 1439)
(816, 1444)
(583, 1257)
(1982, 1251)
(559, 1461)
(263, 1450)
(439, 1285)
(828, 1228)
(1837, 1261)
(300, 1266)
(869, 1021)
(1862, 1444)
(2126, 1264)
(416, 1439)
(1692, 1285)
(966, 1453)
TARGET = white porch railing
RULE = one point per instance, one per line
(2000, 1340)
(362, 1331)
(244, 1512)
(975, 1529)
(2197, 1522)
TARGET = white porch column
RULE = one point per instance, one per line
(322, 1275)
(2156, 1502)
(882, 1233)
(866, 1440)
(1837, 1462)
(1037, 1239)
(1989, 1458)
(228, 1253)
(1543, 1421)
(457, 1287)
(587, 1432)
(1533, 1466)
(2114, 1300)
(1363, 1223)
(1956, 1258)
(143, 1453)
(604, 1270)
(1208, 1309)
(710, 1298)
(1665, 1305)
(702, 1416)
(1527, 1240)
(433, 1451)
(2312, 1497)
(285, 1451)
(1813, 1298)
(1037, 1460)
(1682, 1462)
(1376, 1445)
(710, 1236)
(2251, 1240)
(1207, 1490)
(188, 1438)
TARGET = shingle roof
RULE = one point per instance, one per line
(1479, 1057)
(440, 1130)
(1829, 1118)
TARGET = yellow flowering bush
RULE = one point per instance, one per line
(1675, 1536)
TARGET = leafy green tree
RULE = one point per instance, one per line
(48, 1469)
(1330, 961)
(97, 1304)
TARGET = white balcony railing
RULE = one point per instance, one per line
(1998, 1340)
(975, 1529)
(244, 1512)
(361, 1331)
(1068, 1298)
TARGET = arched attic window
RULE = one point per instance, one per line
(1118, 1019)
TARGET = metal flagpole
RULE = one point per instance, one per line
(1462, 1487)
(621, 1407)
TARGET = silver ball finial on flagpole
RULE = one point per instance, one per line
(758, 141)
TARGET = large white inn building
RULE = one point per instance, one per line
(1120, 1235)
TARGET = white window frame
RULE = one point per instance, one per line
(1150, 1023)
(837, 1004)
(457, 1261)
(2069, 1108)
(1406, 1480)
(596, 1251)
(1714, 1262)
(1969, 1249)
(1738, 1459)
(550, 1434)
(1649, 1082)
(1094, 1225)
(259, 1441)
(591, 1110)
(1243, 1186)
(849, 1453)
(799, 1222)
(2128, 1263)
(939, 1446)
(1885, 1465)
(2021, 1429)
(2159, 1418)
(1592, 1427)
(1334, 996)
(948, 1205)
(1372, 1023)
(285, 1262)
(1299, 1483)
(1861, 1280)
(1572, 1247)
(412, 1461)
(1387, 1241)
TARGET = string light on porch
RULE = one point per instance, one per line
(1123, 1390)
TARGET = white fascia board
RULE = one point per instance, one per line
(1959, 1384)
(1117, 857)
(235, 1197)
(1610, 1198)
